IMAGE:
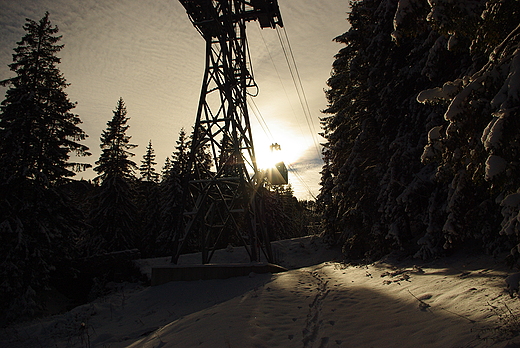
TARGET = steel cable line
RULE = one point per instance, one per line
(260, 118)
(256, 111)
(293, 69)
(299, 177)
(280, 79)
(267, 131)
(303, 102)
(293, 170)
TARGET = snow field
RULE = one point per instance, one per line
(452, 303)
(460, 301)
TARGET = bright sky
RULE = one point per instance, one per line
(148, 53)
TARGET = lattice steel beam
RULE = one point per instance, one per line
(222, 201)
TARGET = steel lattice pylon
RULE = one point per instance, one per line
(222, 200)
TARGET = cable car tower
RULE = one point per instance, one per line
(222, 200)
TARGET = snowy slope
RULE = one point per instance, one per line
(459, 301)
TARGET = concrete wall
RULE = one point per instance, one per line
(161, 275)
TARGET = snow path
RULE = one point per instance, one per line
(459, 301)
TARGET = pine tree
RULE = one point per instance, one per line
(148, 203)
(373, 181)
(202, 158)
(375, 193)
(147, 168)
(174, 181)
(115, 214)
(180, 155)
(171, 193)
(166, 167)
(476, 148)
(37, 128)
(115, 158)
(38, 223)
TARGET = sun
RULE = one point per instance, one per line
(267, 157)
(288, 150)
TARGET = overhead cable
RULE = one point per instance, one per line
(293, 69)
(267, 131)
(281, 81)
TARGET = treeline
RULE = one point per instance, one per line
(48, 221)
(422, 128)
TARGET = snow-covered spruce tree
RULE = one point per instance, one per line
(375, 192)
(342, 127)
(477, 145)
(114, 214)
(367, 111)
(409, 199)
(407, 196)
(38, 132)
(326, 207)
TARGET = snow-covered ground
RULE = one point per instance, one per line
(460, 301)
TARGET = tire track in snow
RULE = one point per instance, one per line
(314, 321)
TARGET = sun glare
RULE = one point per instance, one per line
(290, 150)
(267, 158)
